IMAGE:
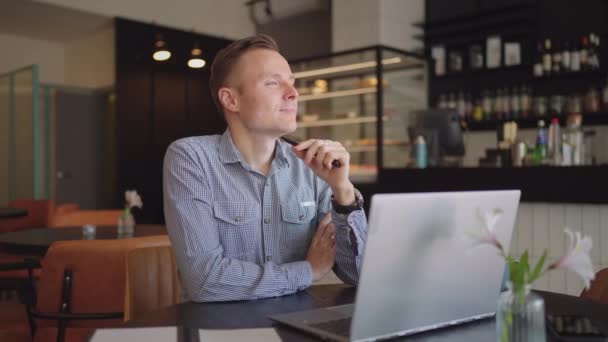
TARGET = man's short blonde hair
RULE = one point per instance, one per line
(227, 58)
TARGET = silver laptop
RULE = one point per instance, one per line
(419, 270)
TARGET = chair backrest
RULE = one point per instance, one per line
(97, 283)
(598, 291)
(82, 217)
(38, 215)
(152, 280)
(65, 208)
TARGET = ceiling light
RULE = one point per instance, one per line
(196, 58)
(161, 51)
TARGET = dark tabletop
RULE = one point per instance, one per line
(254, 314)
(37, 241)
(12, 212)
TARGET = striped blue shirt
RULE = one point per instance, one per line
(238, 234)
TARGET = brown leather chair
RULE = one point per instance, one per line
(65, 208)
(73, 218)
(38, 214)
(598, 291)
(152, 280)
(82, 285)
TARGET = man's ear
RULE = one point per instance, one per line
(228, 99)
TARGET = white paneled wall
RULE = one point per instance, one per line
(540, 226)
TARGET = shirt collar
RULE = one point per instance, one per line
(227, 150)
(230, 154)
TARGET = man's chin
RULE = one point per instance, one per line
(289, 128)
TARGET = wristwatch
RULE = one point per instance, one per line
(347, 209)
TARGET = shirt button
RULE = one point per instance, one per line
(237, 219)
(269, 258)
(267, 221)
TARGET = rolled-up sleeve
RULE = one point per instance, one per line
(208, 275)
(351, 235)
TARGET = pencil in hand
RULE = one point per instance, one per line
(292, 141)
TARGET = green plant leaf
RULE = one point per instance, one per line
(517, 275)
(524, 262)
(538, 269)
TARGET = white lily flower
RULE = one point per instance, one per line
(133, 199)
(577, 259)
(487, 234)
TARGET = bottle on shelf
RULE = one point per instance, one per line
(584, 53)
(566, 57)
(468, 106)
(556, 60)
(486, 101)
(421, 152)
(506, 103)
(572, 141)
(477, 111)
(547, 58)
(538, 65)
(556, 105)
(442, 104)
(576, 106)
(452, 101)
(575, 57)
(515, 103)
(590, 52)
(598, 49)
(595, 46)
(461, 105)
(605, 97)
(525, 101)
(540, 109)
(540, 151)
(554, 142)
(498, 105)
(591, 101)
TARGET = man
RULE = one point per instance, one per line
(248, 215)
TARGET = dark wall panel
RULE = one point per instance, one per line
(448, 9)
(156, 104)
(201, 116)
(302, 36)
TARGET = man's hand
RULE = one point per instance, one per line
(322, 251)
(319, 155)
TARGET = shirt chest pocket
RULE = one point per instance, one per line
(238, 227)
(298, 211)
(298, 214)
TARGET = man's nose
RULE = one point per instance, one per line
(291, 92)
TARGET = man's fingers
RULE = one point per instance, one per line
(304, 145)
(322, 228)
(329, 231)
(326, 219)
(316, 149)
(328, 159)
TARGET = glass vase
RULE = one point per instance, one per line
(126, 225)
(520, 316)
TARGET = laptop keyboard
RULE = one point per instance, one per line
(339, 327)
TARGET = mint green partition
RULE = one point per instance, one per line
(4, 140)
(25, 141)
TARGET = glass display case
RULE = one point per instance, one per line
(364, 99)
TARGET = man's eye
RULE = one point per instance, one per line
(272, 83)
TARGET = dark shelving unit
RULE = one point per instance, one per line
(589, 119)
(457, 25)
(523, 21)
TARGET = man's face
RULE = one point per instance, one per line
(265, 97)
